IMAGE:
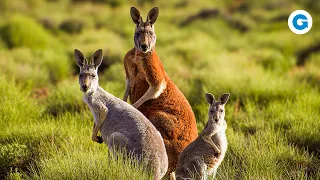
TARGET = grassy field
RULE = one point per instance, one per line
(244, 48)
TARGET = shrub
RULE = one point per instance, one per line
(35, 68)
(274, 60)
(2, 44)
(114, 3)
(4, 5)
(48, 23)
(56, 62)
(23, 31)
(18, 5)
(34, 3)
(15, 175)
(66, 98)
(11, 154)
(72, 26)
(15, 105)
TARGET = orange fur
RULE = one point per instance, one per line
(170, 113)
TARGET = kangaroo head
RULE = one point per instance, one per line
(88, 76)
(216, 108)
(145, 36)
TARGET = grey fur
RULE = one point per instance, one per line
(120, 124)
(202, 157)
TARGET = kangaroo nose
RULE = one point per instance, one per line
(84, 87)
(144, 47)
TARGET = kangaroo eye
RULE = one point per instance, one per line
(150, 32)
(137, 33)
(92, 75)
(221, 110)
(80, 75)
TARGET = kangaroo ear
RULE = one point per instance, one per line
(97, 58)
(210, 98)
(135, 15)
(224, 98)
(79, 57)
(153, 15)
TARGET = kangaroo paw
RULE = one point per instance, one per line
(100, 140)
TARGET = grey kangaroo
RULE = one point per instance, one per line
(201, 158)
(120, 124)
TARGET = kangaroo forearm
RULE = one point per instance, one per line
(213, 145)
(94, 126)
(100, 108)
(153, 92)
(101, 116)
(126, 94)
(126, 91)
(147, 96)
(214, 132)
(103, 113)
(95, 129)
(158, 89)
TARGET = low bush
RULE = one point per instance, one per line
(72, 26)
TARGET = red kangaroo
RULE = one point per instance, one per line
(153, 93)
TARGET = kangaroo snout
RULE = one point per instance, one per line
(144, 47)
(216, 119)
(84, 87)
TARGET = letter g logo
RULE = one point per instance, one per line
(300, 22)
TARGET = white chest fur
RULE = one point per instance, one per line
(90, 102)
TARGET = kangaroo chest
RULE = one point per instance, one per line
(136, 74)
(90, 102)
(138, 81)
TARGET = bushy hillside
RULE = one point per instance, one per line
(242, 47)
